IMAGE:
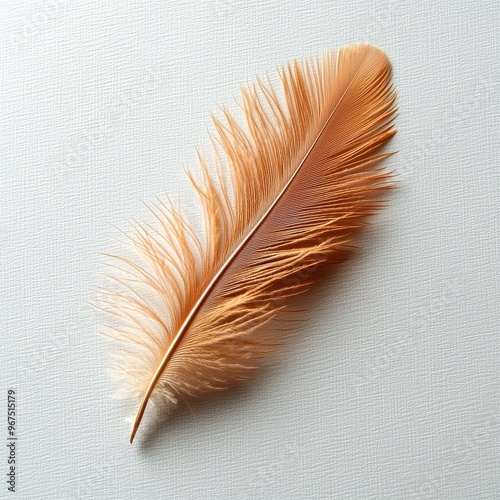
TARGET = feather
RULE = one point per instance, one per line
(284, 197)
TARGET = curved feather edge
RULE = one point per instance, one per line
(289, 190)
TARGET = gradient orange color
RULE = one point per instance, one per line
(288, 191)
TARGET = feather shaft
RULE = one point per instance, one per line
(225, 266)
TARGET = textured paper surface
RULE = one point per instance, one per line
(390, 389)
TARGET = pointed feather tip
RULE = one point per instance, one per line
(133, 432)
(137, 421)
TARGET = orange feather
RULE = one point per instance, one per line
(197, 314)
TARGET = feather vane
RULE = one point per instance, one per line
(288, 192)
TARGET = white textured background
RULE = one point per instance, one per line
(391, 389)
